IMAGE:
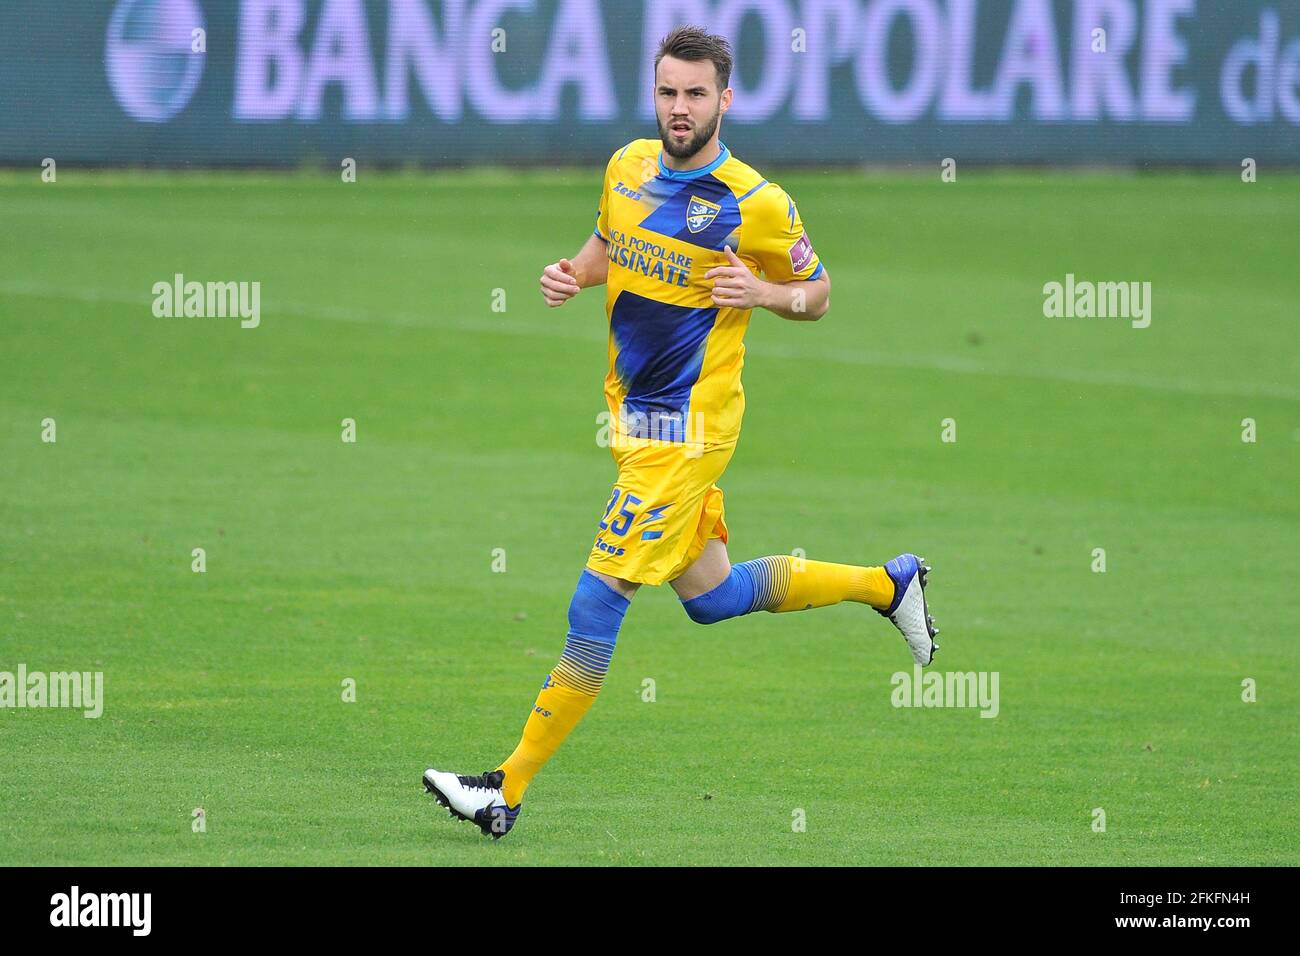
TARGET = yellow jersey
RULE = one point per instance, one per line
(675, 357)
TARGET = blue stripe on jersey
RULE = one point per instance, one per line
(815, 273)
(752, 191)
(670, 218)
(660, 354)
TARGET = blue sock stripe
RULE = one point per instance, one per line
(595, 615)
(583, 664)
(771, 581)
(586, 666)
(583, 681)
(590, 655)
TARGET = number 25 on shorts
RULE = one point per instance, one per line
(623, 520)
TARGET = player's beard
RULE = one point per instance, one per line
(693, 145)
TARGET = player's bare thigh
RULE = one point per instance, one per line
(705, 573)
(625, 588)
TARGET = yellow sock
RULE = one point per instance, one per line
(594, 617)
(556, 713)
(785, 583)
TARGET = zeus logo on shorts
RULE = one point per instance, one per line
(609, 548)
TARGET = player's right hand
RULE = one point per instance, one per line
(559, 283)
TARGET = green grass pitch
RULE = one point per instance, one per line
(476, 430)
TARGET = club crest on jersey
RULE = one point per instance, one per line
(701, 212)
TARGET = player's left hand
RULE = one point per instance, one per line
(734, 286)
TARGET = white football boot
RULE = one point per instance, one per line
(909, 611)
(477, 799)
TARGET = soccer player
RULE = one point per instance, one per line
(682, 232)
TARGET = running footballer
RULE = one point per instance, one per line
(683, 233)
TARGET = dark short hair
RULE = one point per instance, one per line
(694, 44)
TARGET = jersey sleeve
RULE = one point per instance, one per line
(778, 240)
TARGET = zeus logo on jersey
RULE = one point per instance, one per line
(700, 213)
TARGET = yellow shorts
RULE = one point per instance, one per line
(664, 509)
